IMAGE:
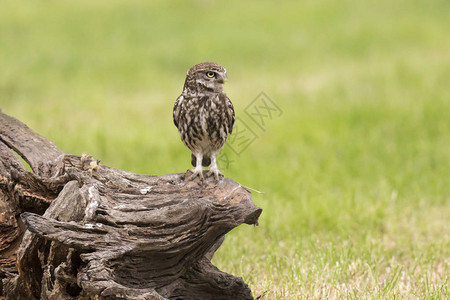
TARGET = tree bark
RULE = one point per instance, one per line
(76, 229)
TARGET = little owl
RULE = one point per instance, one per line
(204, 116)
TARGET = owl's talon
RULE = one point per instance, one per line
(196, 172)
(216, 173)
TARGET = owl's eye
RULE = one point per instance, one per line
(210, 74)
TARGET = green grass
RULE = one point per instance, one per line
(355, 172)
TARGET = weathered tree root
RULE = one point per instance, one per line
(95, 232)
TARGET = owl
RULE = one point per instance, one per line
(204, 116)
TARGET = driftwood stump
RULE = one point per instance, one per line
(75, 229)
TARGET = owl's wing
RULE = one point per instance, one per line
(229, 112)
(176, 110)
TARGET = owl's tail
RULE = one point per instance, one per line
(205, 162)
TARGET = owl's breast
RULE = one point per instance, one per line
(203, 123)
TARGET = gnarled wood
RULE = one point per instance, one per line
(95, 232)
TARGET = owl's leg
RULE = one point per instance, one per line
(198, 171)
(213, 167)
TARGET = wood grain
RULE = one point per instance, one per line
(96, 232)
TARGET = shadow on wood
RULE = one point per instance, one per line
(95, 232)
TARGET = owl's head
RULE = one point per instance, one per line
(207, 76)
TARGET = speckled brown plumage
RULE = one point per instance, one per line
(204, 115)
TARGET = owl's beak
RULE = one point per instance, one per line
(223, 78)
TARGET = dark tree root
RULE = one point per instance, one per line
(95, 232)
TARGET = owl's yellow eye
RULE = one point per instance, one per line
(210, 74)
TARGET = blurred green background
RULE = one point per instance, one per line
(355, 172)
